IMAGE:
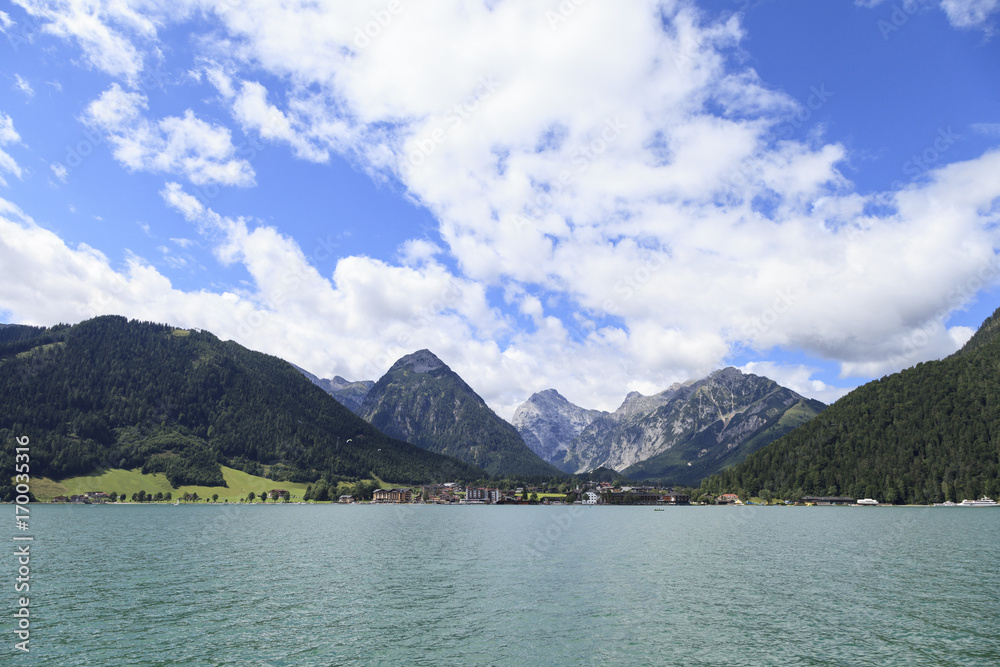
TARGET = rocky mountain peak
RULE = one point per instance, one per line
(421, 361)
(548, 422)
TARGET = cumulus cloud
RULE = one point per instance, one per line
(187, 145)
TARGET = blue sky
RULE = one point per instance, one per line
(591, 196)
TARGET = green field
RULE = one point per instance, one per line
(239, 485)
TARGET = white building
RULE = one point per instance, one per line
(590, 498)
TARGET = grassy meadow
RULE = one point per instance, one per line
(238, 485)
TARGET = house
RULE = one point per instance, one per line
(61, 499)
(674, 498)
(277, 493)
(729, 499)
(443, 497)
(394, 496)
(479, 494)
(631, 498)
(347, 500)
(590, 498)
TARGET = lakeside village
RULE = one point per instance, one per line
(599, 493)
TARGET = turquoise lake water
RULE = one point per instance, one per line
(520, 586)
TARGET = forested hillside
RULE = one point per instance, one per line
(928, 434)
(112, 393)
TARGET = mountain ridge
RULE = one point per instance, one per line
(348, 393)
(421, 400)
(690, 429)
(116, 393)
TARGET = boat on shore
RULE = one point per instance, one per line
(982, 502)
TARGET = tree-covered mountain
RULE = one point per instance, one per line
(349, 394)
(690, 430)
(549, 423)
(112, 393)
(422, 401)
(927, 434)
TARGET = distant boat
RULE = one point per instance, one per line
(177, 502)
(982, 502)
(868, 501)
(946, 503)
(658, 509)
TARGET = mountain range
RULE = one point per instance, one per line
(677, 436)
(109, 392)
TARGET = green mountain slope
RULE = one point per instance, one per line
(112, 393)
(927, 434)
(423, 401)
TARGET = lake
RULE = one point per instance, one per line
(522, 586)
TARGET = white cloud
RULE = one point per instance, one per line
(20, 83)
(256, 114)
(59, 171)
(187, 145)
(112, 34)
(970, 13)
(799, 378)
(646, 188)
(988, 129)
(8, 135)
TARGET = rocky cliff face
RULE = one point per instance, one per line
(689, 430)
(421, 400)
(549, 423)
